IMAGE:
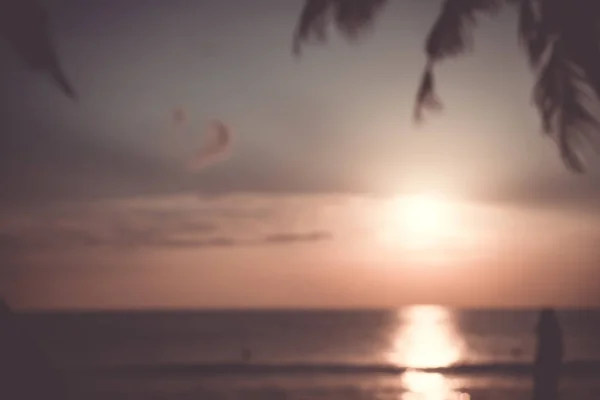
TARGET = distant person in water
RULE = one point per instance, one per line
(548, 358)
(516, 352)
(246, 355)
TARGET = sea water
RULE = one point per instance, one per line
(421, 352)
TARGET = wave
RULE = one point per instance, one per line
(571, 367)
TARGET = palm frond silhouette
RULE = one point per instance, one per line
(26, 26)
(351, 17)
(561, 40)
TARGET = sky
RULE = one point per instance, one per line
(324, 190)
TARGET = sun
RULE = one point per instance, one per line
(417, 221)
(422, 215)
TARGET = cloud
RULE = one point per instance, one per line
(166, 222)
(44, 162)
(179, 243)
(288, 238)
(13, 245)
(42, 165)
(560, 192)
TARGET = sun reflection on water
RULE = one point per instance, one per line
(426, 338)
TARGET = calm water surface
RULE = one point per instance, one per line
(311, 354)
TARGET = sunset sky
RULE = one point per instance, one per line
(319, 202)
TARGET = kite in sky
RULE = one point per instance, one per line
(216, 142)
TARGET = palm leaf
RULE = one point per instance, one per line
(568, 83)
(313, 22)
(562, 100)
(450, 36)
(350, 17)
(426, 96)
(26, 26)
(532, 36)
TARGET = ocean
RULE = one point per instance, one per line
(413, 353)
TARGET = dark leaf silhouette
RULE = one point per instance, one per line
(531, 36)
(563, 49)
(26, 26)
(351, 17)
(450, 36)
(426, 96)
(561, 40)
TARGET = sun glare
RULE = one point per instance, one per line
(427, 338)
(417, 221)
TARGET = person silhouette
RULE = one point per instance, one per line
(246, 355)
(548, 358)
